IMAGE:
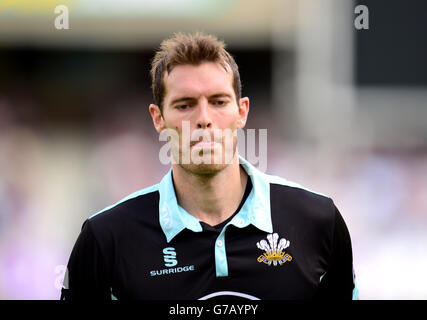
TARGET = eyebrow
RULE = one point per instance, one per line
(214, 96)
(182, 99)
(220, 95)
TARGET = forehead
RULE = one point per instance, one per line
(208, 78)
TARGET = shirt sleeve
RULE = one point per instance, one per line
(338, 282)
(86, 276)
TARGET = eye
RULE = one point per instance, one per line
(220, 102)
(182, 106)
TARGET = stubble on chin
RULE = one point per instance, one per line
(211, 168)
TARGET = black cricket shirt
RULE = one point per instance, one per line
(283, 242)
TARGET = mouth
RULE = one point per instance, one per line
(206, 144)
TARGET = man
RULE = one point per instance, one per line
(214, 226)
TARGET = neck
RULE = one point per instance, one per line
(210, 198)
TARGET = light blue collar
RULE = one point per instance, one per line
(255, 211)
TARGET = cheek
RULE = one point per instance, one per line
(228, 120)
(233, 124)
(172, 123)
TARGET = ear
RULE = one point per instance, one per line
(157, 117)
(243, 112)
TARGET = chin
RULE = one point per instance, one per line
(204, 169)
(208, 165)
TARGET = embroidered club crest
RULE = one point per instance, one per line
(274, 250)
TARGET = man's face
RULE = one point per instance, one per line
(200, 103)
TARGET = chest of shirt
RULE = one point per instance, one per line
(282, 265)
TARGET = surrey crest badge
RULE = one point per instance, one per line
(274, 250)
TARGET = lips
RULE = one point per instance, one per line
(206, 141)
(205, 144)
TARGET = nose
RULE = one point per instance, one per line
(203, 120)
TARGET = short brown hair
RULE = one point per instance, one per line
(190, 49)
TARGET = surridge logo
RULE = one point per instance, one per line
(170, 257)
(274, 250)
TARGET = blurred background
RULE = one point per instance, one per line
(345, 109)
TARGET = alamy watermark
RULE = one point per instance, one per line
(361, 22)
(62, 21)
(216, 146)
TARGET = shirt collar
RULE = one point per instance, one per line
(256, 209)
